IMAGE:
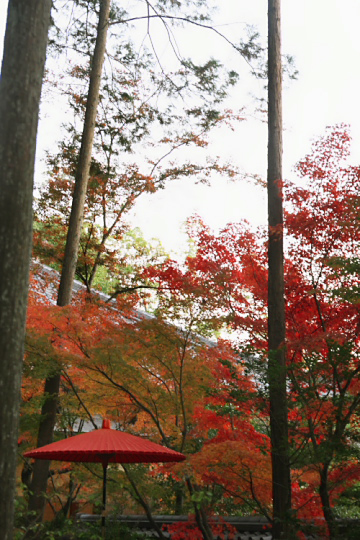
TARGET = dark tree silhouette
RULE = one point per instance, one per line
(20, 88)
(276, 302)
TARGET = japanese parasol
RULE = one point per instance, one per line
(106, 446)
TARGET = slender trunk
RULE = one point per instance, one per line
(144, 504)
(179, 500)
(200, 515)
(74, 489)
(83, 168)
(20, 88)
(48, 412)
(276, 303)
(45, 434)
(325, 502)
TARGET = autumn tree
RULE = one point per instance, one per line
(155, 379)
(115, 361)
(120, 109)
(20, 88)
(321, 220)
(232, 462)
(323, 329)
(124, 118)
(155, 375)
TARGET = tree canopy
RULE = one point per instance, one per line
(167, 374)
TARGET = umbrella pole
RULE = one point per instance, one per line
(103, 529)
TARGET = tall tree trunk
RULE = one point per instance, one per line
(52, 384)
(276, 303)
(40, 468)
(325, 502)
(20, 88)
(83, 168)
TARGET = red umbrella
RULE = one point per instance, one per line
(106, 446)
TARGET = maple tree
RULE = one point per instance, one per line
(82, 145)
(109, 198)
(233, 459)
(52, 348)
(146, 374)
(165, 381)
(140, 370)
(321, 220)
(323, 334)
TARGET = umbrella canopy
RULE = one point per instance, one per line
(105, 446)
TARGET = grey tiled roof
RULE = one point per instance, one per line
(48, 280)
(248, 528)
(247, 535)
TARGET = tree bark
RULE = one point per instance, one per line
(276, 302)
(83, 168)
(325, 502)
(20, 88)
(200, 515)
(40, 468)
(144, 504)
(179, 500)
(48, 413)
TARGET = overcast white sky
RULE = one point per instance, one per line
(323, 37)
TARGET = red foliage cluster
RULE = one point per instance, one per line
(211, 401)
